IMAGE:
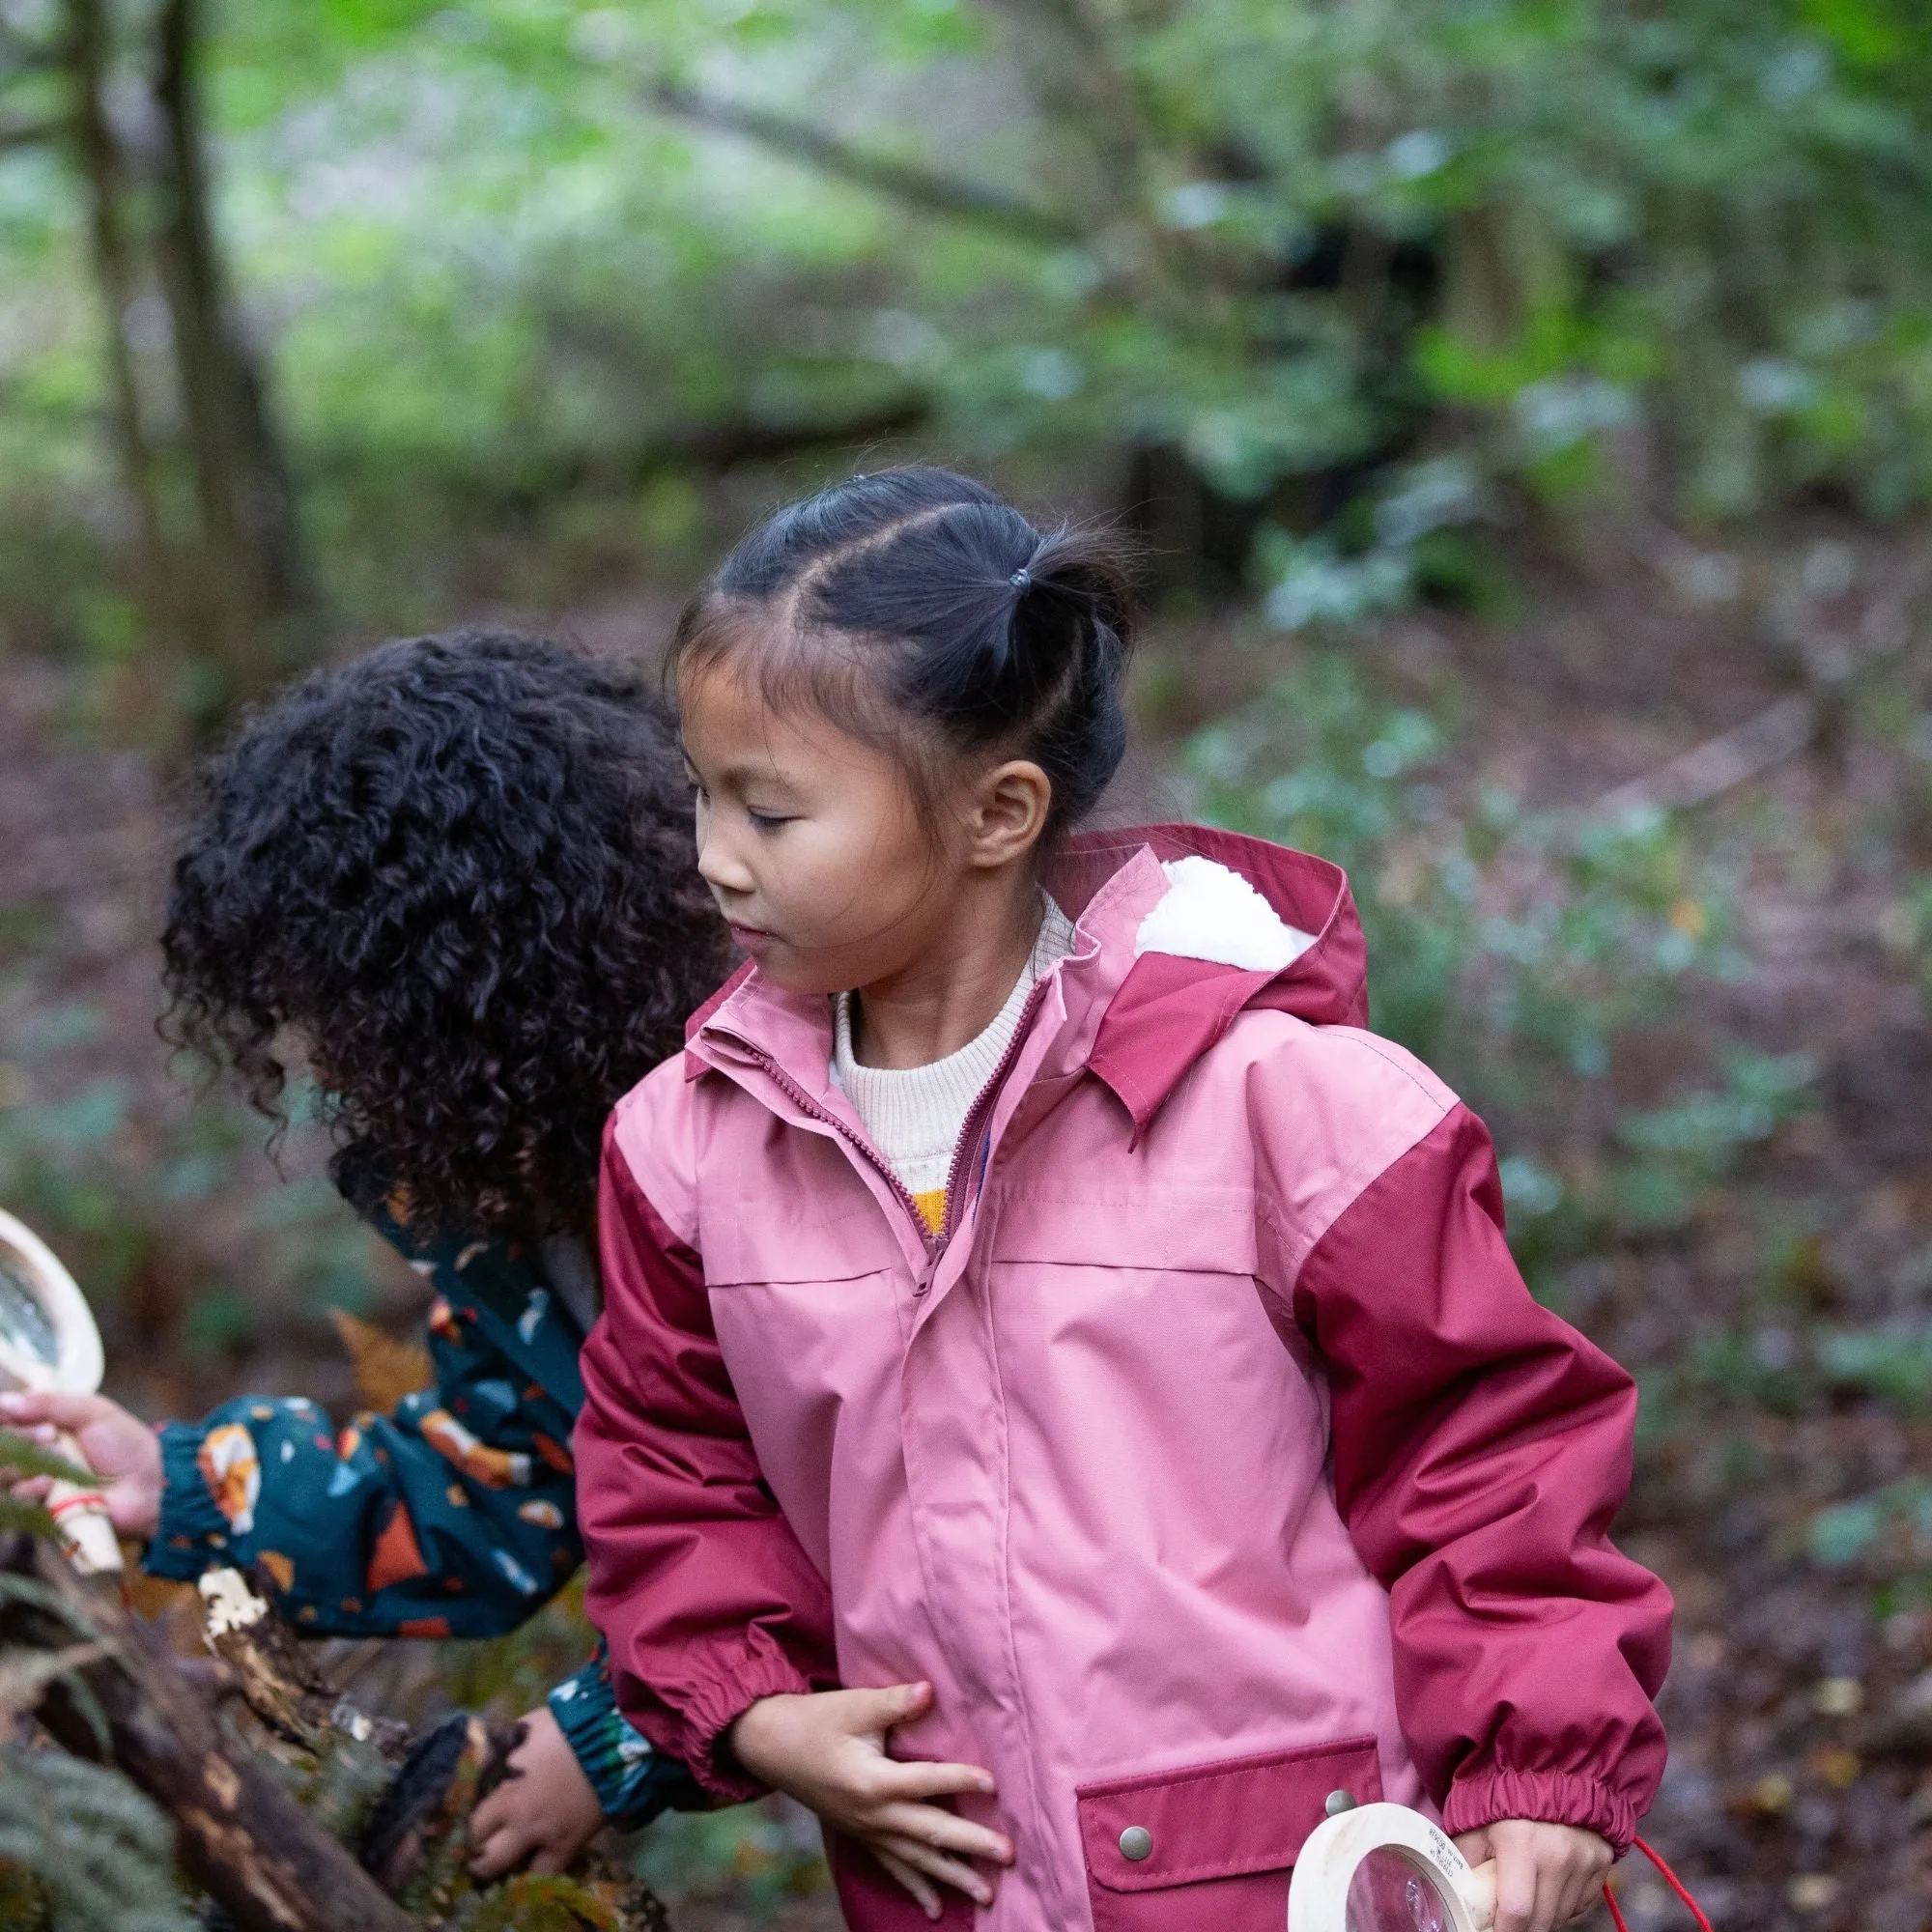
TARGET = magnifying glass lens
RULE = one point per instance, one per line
(23, 1323)
(1391, 1892)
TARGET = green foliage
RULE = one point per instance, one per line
(1848, 1532)
(508, 293)
(511, 1674)
(100, 1855)
(1675, 1154)
(755, 1857)
(530, 1904)
(20, 1456)
(1515, 950)
(1893, 1363)
(1509, 947)
(106, 1178)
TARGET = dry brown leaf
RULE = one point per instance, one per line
(387, 1370)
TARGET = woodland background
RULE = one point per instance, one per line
(1526, 408)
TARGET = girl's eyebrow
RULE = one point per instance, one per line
(744, 772)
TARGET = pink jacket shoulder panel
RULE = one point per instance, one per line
(651, 1127)
(1215, 1461)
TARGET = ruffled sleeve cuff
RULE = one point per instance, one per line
(1547, 1797)
(190, 1534)
(633, 1782)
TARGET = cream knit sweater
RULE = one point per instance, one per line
(914, 1114)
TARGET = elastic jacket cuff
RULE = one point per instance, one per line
(751, 1673)
(190, 1532)
(1547, 1797)
(633, 1782)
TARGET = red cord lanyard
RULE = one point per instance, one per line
(1671, 1879)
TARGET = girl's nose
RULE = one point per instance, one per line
(719, 867)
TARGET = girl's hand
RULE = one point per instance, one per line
(1545, 1874)
(829, 1752)
(120, 1448)
(544, 1816)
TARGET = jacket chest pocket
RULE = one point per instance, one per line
(1210, 1848)
(1152, 1229)
(750, 1243)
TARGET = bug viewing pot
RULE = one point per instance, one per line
(49, 1344)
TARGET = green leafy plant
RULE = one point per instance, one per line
(81, 1850)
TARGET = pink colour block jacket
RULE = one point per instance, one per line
(1211, 1461)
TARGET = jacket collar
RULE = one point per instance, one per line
(1136, 1021)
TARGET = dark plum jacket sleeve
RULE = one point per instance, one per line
(1481, 1449)
(706, 1598)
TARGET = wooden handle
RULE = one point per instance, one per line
(80, 1515)
(1479, 1894)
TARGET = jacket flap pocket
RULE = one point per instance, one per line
(1245, 1814)
(1169, 1229)
(753, 1243)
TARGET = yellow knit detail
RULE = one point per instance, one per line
(932, 1206)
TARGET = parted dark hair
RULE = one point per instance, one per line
(460, 872)
(920, 597)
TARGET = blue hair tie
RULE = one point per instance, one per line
(1020, 579)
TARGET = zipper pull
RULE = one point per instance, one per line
(926, 1275)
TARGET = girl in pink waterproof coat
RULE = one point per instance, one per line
(1039, 1306)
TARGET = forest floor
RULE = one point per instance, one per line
(1800, 1705)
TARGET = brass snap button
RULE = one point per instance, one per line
(1137, 1843)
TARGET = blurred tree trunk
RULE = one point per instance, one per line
(250, 581)
(105, 172)
(220, 569)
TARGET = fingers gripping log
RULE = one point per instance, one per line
(242, 1837)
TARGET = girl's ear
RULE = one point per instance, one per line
(1005, 813)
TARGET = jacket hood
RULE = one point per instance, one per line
(1203, 956)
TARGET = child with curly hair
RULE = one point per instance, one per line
(1065, 1410)
(455, 878)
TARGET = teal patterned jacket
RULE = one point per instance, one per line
(454, 1516)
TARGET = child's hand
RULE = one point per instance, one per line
(829, 1752)
(120, 1448)
(1545, 1874)
(542, 1818)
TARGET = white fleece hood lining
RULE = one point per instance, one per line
(1212, 913)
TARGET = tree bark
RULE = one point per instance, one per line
(101, 168)
(252, 575)
(242, 1837)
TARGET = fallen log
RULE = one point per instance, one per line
(243, 1838)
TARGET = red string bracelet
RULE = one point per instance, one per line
(1671, 1879)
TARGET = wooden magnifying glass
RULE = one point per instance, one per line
(49, 1344)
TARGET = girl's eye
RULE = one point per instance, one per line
(765, 821)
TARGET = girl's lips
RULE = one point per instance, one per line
(745, 937)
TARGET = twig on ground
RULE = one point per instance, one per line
(1781, 731)
(1776, 733)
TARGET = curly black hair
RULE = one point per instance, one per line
(460, 872)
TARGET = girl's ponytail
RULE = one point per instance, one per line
(1072, 623)
(920, 597)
